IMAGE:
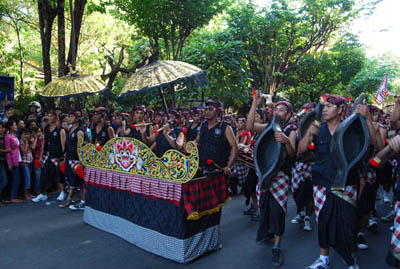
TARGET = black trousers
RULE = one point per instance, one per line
(366, 203)
(303, 195)
(50, 174)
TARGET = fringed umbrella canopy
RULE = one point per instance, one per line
(73, 86)
(159, 74)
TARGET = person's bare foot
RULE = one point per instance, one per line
(16, 201)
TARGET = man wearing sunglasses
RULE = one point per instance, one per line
(273, 201)
(216, 140)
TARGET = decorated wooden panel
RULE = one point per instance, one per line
(128, 155)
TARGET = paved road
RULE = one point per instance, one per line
(40, 236)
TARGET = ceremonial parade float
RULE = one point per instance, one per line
(161, 205)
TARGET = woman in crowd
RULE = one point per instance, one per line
(3, 164)
(13, 157)
(26, 144)
(38, 146)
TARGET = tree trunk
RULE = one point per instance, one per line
(61, 38)
(47, 15)
(76, 17)
(21, 58)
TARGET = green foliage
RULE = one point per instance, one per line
(370, 77)
(325, 72)
(168, 21)
(280, 35)
(224, 61)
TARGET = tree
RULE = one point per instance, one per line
(278, 37)
(77, 11)
(223, 60)
(168, 21)
(325, 72)
(47, 10)
(372, 74)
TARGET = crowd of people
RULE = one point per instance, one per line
(38, 153)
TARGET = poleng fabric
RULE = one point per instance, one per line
(280, 189)
(300, 172)
(349, 195)
(319, 199)
(240, 170)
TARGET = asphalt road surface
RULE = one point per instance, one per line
(40, 236)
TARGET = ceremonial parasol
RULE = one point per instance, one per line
(162, 74)
(73, 85)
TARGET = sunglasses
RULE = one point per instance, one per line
(210, 108)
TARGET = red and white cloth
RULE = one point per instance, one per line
(280, 189)
(395, 242)
(258, 193)
(320, 197)
(72, 162)
(371, 176)
(55, 161)
(351, 191)
(149, 187)
(240, 170)
(300, 173)
(395, 163)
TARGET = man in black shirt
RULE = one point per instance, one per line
(54, 147)
(101, 132)
(216, 140)
(336, 212)
(273, 201)
(71, 155)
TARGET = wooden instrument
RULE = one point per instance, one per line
(246, 155)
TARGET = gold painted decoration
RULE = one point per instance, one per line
(128, 155)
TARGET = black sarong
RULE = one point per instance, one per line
(272, 220)
(337, 224)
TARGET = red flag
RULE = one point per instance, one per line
(380, 94)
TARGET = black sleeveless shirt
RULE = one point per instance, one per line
(213, 145)
(71, 145)
(101, 137)
(162, 144)
(192, 132)
(52, 142)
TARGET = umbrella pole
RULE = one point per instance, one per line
(165, 103)
(167, 111)
(79, 104)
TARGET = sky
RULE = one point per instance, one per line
(379, 32)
